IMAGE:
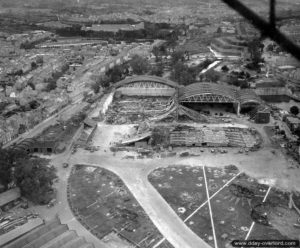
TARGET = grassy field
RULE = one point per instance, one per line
(231, 206)
(104, 204)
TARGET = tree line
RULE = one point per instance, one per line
(31, 174)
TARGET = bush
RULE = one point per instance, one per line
(294, 110)
(225, 68)
(139, 65)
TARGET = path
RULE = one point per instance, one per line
(158, 210)
(261, 165)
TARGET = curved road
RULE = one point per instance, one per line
(134, 175)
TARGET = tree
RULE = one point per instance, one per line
(157, 70)
(177, 56)
(182, 74)
(51, 84)
(255, 49)
(156, 52)
(244, 85)
(35, 179)
(33, 65)
(8, 159)
(225, 68)
(211, 76)
(115, 74)
(294, 110)
(179, 67)
(139, 65)
(101, 82)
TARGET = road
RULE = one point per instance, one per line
(77, 98)
(159, 211)
(64, 114)
(263, 164)
(62, 208)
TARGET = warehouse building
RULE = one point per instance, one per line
(146, 86)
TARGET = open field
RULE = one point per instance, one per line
(236, 202)
(104, 205)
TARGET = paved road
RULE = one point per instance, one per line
(62, 208)
(64, 113)
(77, 104)
(162, 215)
(261, 164)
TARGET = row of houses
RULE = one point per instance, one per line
(13, 126)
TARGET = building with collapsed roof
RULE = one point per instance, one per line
(191, 95)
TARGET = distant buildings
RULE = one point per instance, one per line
(234, 39)
(115, 28)
(30, 39)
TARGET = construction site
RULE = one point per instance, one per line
(159, 122)
(160, 113)
(156, 124)
(149, 98)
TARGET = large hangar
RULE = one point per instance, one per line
(193, 96)
(146, 86)
(209, 93)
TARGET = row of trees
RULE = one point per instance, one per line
(32, 175)
(186, 75)
(139, 66)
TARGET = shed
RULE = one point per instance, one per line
(9, 196)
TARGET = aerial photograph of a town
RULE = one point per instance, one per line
(149, 123)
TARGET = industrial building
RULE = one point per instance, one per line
(35, 234)
(38, 146)
(146, 86)
(191, 96)
(8, 198)
(235, 44)
(210, 93)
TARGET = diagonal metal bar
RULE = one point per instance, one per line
(265, 27)
(272, 13)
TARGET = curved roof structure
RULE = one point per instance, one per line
(146, 78)
(228, 94)
(247, 96)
